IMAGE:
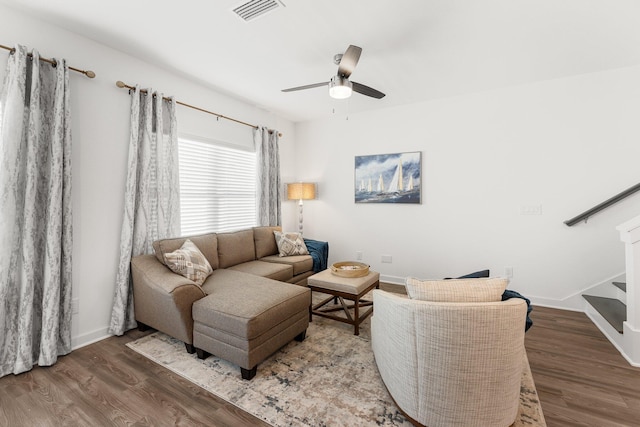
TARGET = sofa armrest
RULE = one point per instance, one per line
(163, 299)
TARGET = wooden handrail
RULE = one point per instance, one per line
(615, 199)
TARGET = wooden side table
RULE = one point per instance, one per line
(341, 288)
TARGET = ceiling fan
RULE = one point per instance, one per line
(340, 87)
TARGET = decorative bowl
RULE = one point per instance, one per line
(350, 269)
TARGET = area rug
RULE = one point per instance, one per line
(328, 379)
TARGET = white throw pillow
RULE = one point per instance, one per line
(189, 262)
(290, 244)
(457, 290)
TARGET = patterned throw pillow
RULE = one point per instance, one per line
(189, 262)
(290, 244)
(457, 290)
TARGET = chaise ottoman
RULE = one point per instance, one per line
(245, 318)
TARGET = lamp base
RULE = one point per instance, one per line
(300, 227)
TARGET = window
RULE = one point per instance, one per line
(217, 187)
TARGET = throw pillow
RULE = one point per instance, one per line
(457, 290)
(189, 262)
(290, 244)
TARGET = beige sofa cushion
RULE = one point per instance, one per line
(300, 263)
(271, 270)
(457, 290)
(206, 243)
(235, 248)
(189, 262)
(265, 241)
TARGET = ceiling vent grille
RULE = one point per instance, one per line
(255, 8)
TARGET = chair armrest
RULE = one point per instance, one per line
(393, 342)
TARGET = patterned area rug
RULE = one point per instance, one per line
(329, 378)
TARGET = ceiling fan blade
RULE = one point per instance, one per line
(366, 90)
(292, 89)
(349, 60)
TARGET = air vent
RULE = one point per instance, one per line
(255, 8)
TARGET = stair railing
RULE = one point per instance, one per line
(615, 199)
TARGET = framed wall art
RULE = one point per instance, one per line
(389, 178)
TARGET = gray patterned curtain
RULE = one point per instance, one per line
(268, 176)
(35, 213)
(152, 194)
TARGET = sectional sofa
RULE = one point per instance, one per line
(247, 308)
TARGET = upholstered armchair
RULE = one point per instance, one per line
(450, 363)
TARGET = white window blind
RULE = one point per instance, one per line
(217, 187)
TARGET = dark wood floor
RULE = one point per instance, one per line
(581, 379)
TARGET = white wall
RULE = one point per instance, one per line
(565, 144)
(100, 128)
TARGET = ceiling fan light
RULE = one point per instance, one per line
(339, 87)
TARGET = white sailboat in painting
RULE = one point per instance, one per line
(380, 184)
(369, 186)
(398, 190)
(396, 184)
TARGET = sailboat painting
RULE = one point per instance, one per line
(389, 178)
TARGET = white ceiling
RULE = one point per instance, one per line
(413, 50)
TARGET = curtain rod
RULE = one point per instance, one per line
(123, 85)
(87, 73)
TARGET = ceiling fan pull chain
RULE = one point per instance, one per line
(348, 105)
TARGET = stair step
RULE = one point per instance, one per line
(621, 285)
(613, 310)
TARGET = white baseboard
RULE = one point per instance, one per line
(575, 301)
(624, 343)
(394, 280)
(89, 338)
(558, 304)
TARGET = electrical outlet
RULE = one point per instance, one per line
(531, 210)
(386, 258)
(508, 272)
(75, 306)
(359, 255)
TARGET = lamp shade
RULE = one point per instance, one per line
(301, 191)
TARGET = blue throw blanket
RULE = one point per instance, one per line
(513, 294)
(319, 251)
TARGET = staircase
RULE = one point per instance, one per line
(614, 307)
(613, 310)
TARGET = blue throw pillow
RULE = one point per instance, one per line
(475, 275)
